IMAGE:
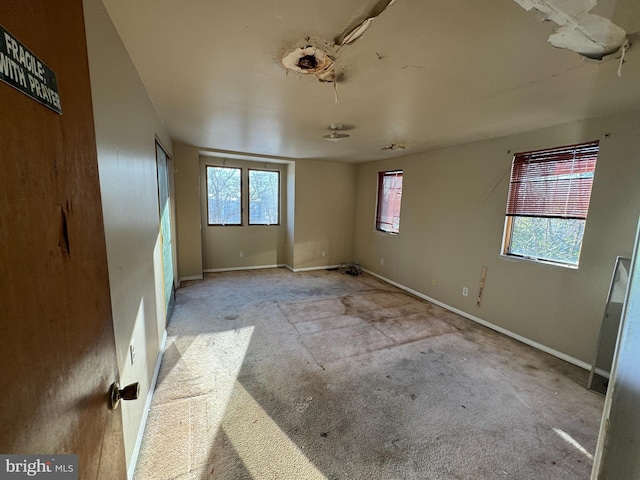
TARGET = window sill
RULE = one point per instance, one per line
(383, 233)
(517, 258)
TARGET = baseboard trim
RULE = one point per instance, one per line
(504, 331)
(235, 269)
(187, 279)
(309, 269)
(147, 407)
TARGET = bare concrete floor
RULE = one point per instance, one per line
(277, 375)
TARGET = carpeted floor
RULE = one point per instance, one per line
(270, 374)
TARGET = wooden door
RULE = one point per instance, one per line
(57, 352)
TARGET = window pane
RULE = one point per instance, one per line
(389, 200)
(264, 197)
(548, 202)
(552, 239)
(224, 202)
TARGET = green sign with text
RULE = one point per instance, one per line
(21, 69)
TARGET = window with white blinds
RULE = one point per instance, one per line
(389, 200)
(548, 202)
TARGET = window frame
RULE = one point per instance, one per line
(380, 199)
(249, 170)
(581, 154)
(240, 191)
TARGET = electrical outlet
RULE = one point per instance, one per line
(132, 352)
(434, 282)
(324, 254)
(382, 261)
(241, 254)
(465, 291)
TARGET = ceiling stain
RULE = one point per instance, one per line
(395, 146)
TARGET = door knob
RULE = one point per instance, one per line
(130, 392)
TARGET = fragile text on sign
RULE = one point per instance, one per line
(21, 69)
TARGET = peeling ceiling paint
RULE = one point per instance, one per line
(578, 30)
(355, 33)
(318, 61)
(427, 75)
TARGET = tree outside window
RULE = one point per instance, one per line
(224, 198)
(264, 197)
(548, 201)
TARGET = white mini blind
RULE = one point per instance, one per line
(553, 183)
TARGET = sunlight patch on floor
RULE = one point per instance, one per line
(213, 362)
(570, 440)
(265, 450)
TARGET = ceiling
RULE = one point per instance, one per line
(425, 74)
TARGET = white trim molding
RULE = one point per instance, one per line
(235, 269)
(187, 279)
(309, 269)
(504, 331)
(147, 407)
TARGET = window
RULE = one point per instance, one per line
(389, 197)
(224, 200)
(264, 197)
(548, 202)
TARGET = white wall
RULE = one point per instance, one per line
(318, 205)
(452, 221)
(325, 194)
(291, 214)
(261, 245)
(126, 126)
(187, 204)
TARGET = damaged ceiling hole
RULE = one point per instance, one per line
(316, 60)
(308, 62)
(311, 60)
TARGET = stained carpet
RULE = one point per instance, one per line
(271, 374)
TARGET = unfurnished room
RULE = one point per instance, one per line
(337, 240)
